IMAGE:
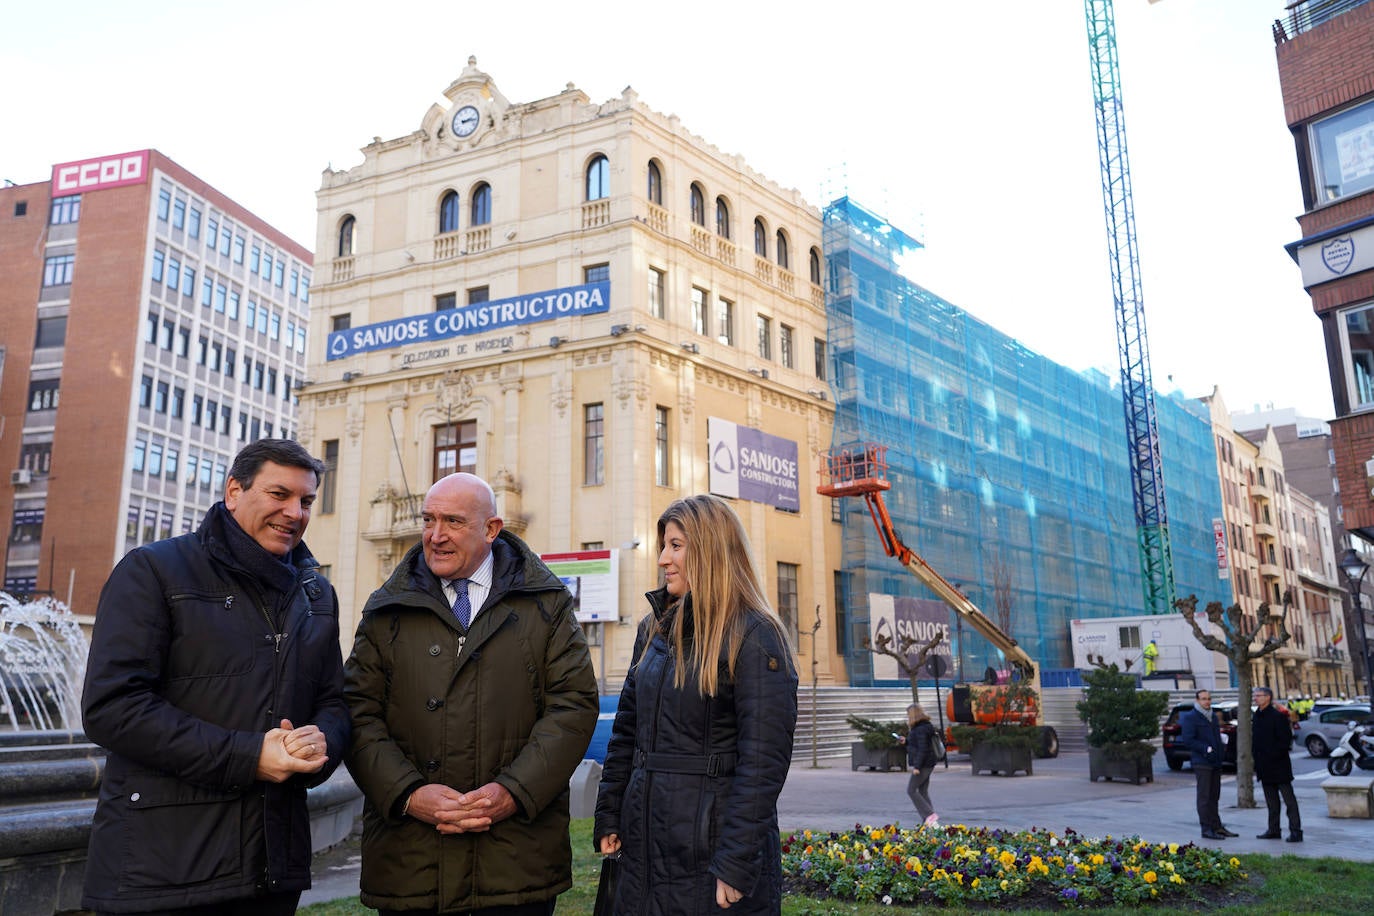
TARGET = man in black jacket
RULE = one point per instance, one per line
(1272, 740)
(1201, 735)
(215, 681)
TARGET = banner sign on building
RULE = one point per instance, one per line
(1338, 256)
(1223, 558)
(478, 318)
(918, 618)
(750, 464)
(104, 172)
(593, 577)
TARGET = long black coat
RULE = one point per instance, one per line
(185, 675)
(681, 830)
(1271, 739)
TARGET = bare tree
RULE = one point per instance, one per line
(902, 654)
(1001, 590)
(1238, 646)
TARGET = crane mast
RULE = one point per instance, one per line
(1137, 387)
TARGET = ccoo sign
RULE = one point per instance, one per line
(105, 172)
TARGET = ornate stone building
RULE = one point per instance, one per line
(596, 311)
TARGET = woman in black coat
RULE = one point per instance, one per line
(703, 735)
(920, 756)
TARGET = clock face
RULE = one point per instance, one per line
(465, 121)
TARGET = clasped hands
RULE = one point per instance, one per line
(451, 811)
(288, 750)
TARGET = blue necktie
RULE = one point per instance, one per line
(462, 608)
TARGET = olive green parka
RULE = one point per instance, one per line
(514, 700)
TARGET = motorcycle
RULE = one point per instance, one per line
(1353, 751)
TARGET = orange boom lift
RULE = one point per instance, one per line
(862, 471)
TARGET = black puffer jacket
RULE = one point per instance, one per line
(512, 702)
(1271, 739)
(185, 675)
(691, 783)
(920, 754)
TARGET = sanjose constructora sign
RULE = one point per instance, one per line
(479, 318)
(918, 618)
(750, 464)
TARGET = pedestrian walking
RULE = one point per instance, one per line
(920, 756)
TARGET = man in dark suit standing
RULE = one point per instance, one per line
(1202, 737)
(1271, 741)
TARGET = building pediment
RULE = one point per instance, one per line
(473, 108)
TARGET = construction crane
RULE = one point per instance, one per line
(1137, 386)
(862, 471)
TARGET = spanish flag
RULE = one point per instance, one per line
(1337, 638)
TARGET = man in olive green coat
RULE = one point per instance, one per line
(473, 700)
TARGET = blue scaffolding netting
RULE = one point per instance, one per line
(1009, 472)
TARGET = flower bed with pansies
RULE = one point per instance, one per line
(998, 868)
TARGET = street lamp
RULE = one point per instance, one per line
(1355, 568)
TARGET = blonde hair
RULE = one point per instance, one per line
(719, 569)
(915, 714)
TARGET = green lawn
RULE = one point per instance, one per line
(1278, 886)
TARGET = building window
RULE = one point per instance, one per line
(1343, 153)
(340, 322)
(815, 267)
(479, 294)
(52, 332)
(655, 190)
(765, 328)
(780, 247)
(656, 292)
(787, 599)
(598, 178)
(161, 397)
(346, 240)
(178, 404)
(65, 210)
(699, 318)
(722, 218)
(239, 244)
(193, 226)
(698, 206)
(57, 270)
(154, 465)
(224, 240)
(820, 358)
(179, 214)
(661, 453)
(43, 393)
(725, 321)
(328, 484)
(1357, 344)
(455, 448)
(36, 457)
(140, 454)
(173, 274)
(481, 205)
(597, 273)
(593, 444)
(188, 282)
(183, 345)
(445, 301)
(169, 467)
(841, 614)
(785, 353)
(159, 262)
(760, 239)
(448, 212)
(164, 204)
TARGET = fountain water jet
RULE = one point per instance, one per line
(42, 664)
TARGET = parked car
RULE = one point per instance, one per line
(1324, 726)
(1176, 755)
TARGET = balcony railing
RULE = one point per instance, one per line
(1305, 15)
(343, 269)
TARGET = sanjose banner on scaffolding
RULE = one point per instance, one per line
(918, 618)
(750, 464)
(593, 577)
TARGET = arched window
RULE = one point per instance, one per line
(448, 212)
(781, 250)
(698, 206)
(481, 205)
(760, 238)
(815, 267)
(598, 178)
(346, 242)
(722, 218)
(655, 184)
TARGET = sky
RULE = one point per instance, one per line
(968, 125)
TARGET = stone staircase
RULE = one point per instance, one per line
(827, 707)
